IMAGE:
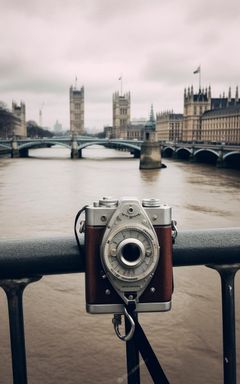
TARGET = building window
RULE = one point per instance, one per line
(123, 122)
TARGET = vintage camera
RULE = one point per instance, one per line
(128, 248)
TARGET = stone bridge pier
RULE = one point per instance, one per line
(150, 152)
(75, 152)
(14, 149)
(220, 161)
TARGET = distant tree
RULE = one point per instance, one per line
(33, 130)
(8, 121)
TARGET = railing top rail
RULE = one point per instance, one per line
(59, 255)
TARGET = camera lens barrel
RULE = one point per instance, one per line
(130, 252)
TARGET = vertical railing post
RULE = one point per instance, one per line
(227, 274)
(14, 292)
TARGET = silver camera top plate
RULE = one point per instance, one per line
(99, 213)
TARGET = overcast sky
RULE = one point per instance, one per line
(154, 45)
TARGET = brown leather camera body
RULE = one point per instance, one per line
(99, 291)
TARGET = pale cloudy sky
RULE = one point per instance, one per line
(154, 44)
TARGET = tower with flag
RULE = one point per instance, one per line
(76, 96)
(121, 114)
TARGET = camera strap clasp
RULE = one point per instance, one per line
(174, 230)
(117, 321)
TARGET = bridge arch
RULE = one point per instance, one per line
(132, 148)
(206, 155)
(183, 153)
(24, 147)
(232, 160)
(168, 151)
(42, 144)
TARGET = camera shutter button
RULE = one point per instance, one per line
(149, 203)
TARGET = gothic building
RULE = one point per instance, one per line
(77, 110)
(135, 130)
(20, 129)
(169, 126)
(121, 114)
(210, 119)
(222, 122)
(194, 107)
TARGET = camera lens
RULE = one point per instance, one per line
(131, 252)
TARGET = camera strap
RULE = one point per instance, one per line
(81, 225)
(144, 347)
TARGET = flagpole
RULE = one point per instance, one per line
(199, 77)
(198, 70)
(121, 85)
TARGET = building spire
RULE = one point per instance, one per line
(151, 116)
(151, 123)
(209, 92)
(236, 96)
(229, 95)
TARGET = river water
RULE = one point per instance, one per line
(40, 196)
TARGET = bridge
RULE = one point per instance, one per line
(223, 155)
(20, 147)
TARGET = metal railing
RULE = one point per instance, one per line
(25, 261)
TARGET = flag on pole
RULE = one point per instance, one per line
(120, 78)
(197, 70)
(75, 82)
